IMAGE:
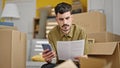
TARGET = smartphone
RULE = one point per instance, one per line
(47, 46)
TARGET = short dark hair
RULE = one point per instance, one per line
(62, 8)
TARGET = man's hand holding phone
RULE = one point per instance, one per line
(48, 54)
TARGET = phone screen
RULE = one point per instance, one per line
(46, 46)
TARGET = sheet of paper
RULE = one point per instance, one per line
(70, 49)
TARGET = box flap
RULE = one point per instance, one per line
(106, 48)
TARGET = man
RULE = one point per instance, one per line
(64, 31)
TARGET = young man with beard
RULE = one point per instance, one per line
(64, 31)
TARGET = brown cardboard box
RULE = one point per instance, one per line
(104, 37)
(110, 51)
(67, 64)
(12, 49)
(92, 63)
(92, 22)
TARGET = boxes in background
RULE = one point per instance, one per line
(110, 51)
(92, 22)
(104, 37)
(12, 49)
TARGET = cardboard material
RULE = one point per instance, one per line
(67, 64)
(92, 62)
(110, 51)
(104, 37)
(92, 22)
(12, 49)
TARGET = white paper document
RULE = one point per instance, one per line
(70, 49)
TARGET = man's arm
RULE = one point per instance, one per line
(49, 55)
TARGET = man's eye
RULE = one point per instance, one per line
(67, 18)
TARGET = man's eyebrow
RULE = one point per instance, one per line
(67, 17)
(61, 18)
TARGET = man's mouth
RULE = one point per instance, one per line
(65, 28)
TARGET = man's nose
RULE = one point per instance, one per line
(65, 21)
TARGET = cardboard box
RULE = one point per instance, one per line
(110, 51)
(84, 63)
(92, 62)
(67, 64)
(12, 49)
(104, 37)
(92, 22)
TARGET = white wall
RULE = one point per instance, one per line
(27, 13)
(116, 16)
(95, 4)
(108, 8)
(0, 7)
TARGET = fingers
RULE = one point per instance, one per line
(48, 55)
(45, 51)
(78, 57)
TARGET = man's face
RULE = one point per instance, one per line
(64, 21)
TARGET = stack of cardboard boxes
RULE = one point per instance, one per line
(106, 45)
(12, 48)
